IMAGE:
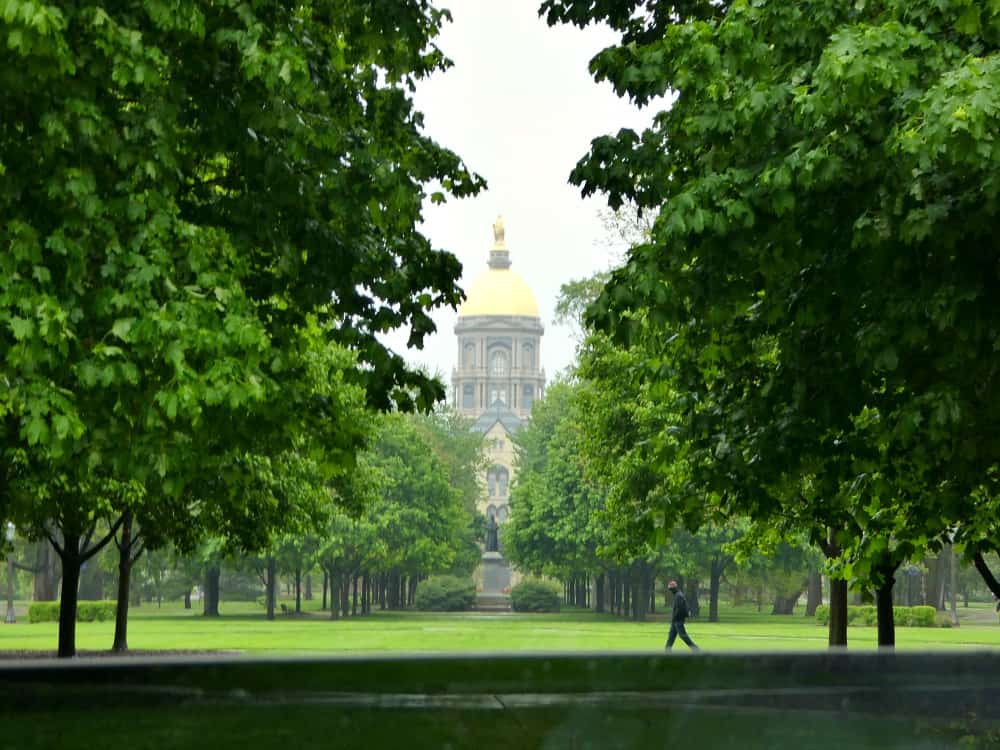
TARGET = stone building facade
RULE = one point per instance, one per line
(498, 378)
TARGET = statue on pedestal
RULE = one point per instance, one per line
(492, 541)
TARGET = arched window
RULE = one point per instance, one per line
(502, 514)
(497, 479)
(469, 356)
(498, 364)
(503, 477)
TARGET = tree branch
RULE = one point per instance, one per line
(84, 556)
(52, 540)
(140, 548)
(986, 573)
(86, 539)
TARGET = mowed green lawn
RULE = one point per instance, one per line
(243, 628)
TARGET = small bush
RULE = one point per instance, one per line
(865, 614)
(904, 617)
(445, 594)
(44, 612)
(95, 611)
(924, 617)
(535, 596)
(86, 611)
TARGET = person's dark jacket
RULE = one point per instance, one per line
(680, 612)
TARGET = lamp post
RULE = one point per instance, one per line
(10, 619)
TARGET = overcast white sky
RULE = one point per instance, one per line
(520, 107)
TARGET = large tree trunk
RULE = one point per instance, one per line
(814, 593)
(626, 604)
(187, 599)
(212, 576)
(308, 595)
(334, 596)
(886, 623)
(71, 561)
(124, 577)
(271, 588)
(46, 584)
(937, 572)
(714, 584)
(954, 585)
(599, 593)
(838, 614)
(298, 591)
(326, 583)
(694, 597)
(785, 604)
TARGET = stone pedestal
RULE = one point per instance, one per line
(496, 574)
(496, 581)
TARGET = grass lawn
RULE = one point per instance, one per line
(243, 628)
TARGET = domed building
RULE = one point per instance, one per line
(497, 380)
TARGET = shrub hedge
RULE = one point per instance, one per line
(535, 596)
(445, 594)
(86, 611)
(905, 617)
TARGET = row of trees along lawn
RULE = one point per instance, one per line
(570, 493)
(807, 339)
(416, 517)
(208, 216)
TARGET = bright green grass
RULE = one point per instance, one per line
(243, 628)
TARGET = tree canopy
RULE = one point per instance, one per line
(199, 203)
(818, 284)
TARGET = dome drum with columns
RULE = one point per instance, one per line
(498, 379)
(499, 335)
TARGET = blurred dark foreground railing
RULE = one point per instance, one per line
(835, 700)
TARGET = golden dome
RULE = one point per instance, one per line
(499, 291)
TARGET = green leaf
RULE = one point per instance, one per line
(37, 430)
(22, 328)
(121, 328)
(969, 21)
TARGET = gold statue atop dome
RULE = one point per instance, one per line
(498, 242)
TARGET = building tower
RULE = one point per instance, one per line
(498, 378)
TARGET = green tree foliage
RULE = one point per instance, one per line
(420, 513)
(818, 271)
(554, 526)
(414, 492)
(184, 187)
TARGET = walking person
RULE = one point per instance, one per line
(677, 617)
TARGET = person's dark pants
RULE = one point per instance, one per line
(677, 629)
